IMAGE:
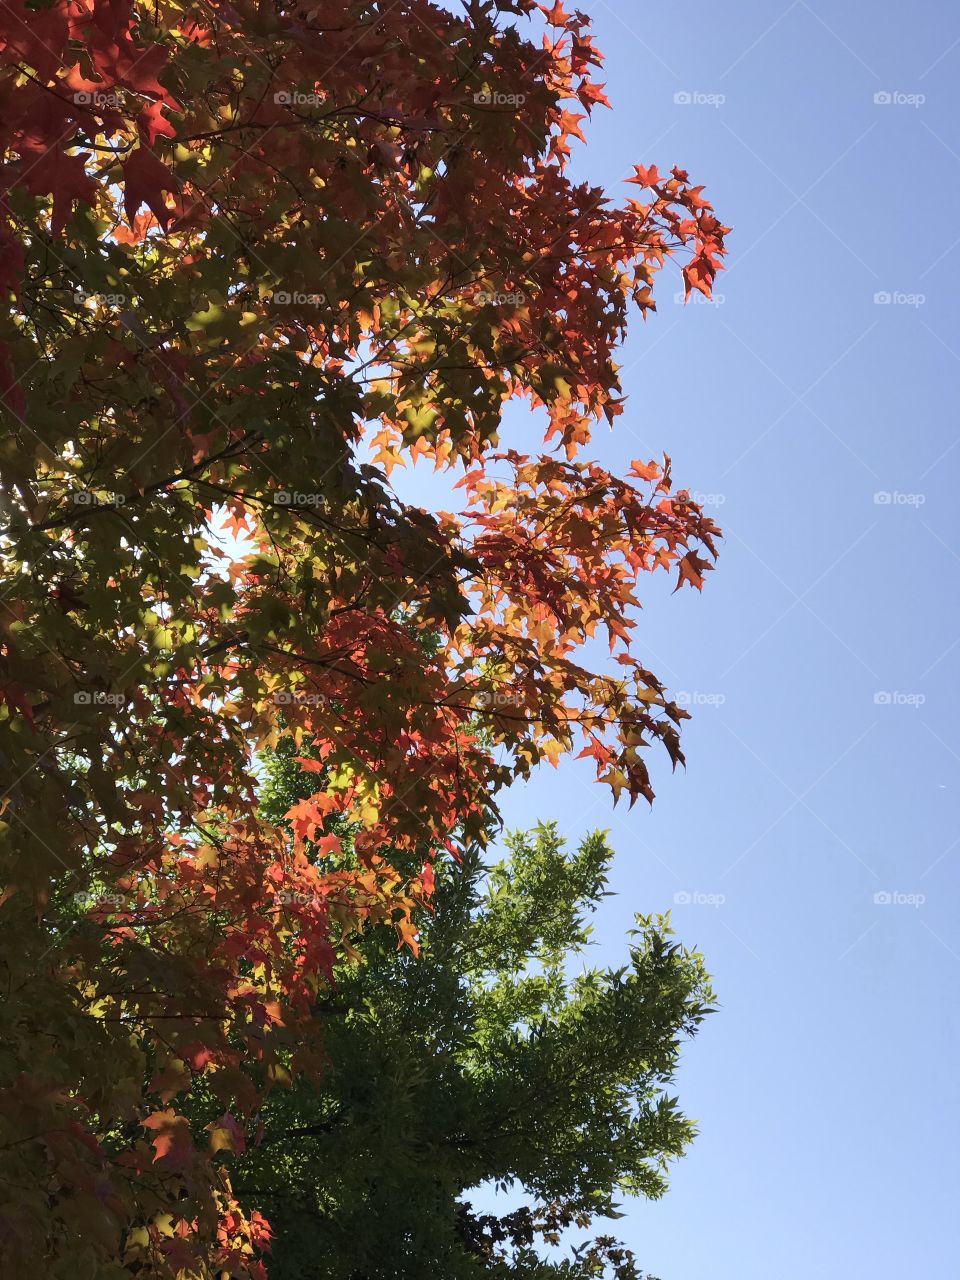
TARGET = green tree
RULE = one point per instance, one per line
(493, 1058)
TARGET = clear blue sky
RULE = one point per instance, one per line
(826, 1086)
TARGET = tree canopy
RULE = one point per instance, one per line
(495, 1058)
(254, 257)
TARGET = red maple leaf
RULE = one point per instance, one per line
(173, 1143)
(692, 568)
(65, 177)
(145, 180)
(556, 16)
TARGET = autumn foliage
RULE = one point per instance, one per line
(255, 257)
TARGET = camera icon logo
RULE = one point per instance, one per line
(883, 98)
(484, 98)
(682, 898)
(683, 98)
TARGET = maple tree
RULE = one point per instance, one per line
(255, 256)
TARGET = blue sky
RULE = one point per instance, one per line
(811, 847)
